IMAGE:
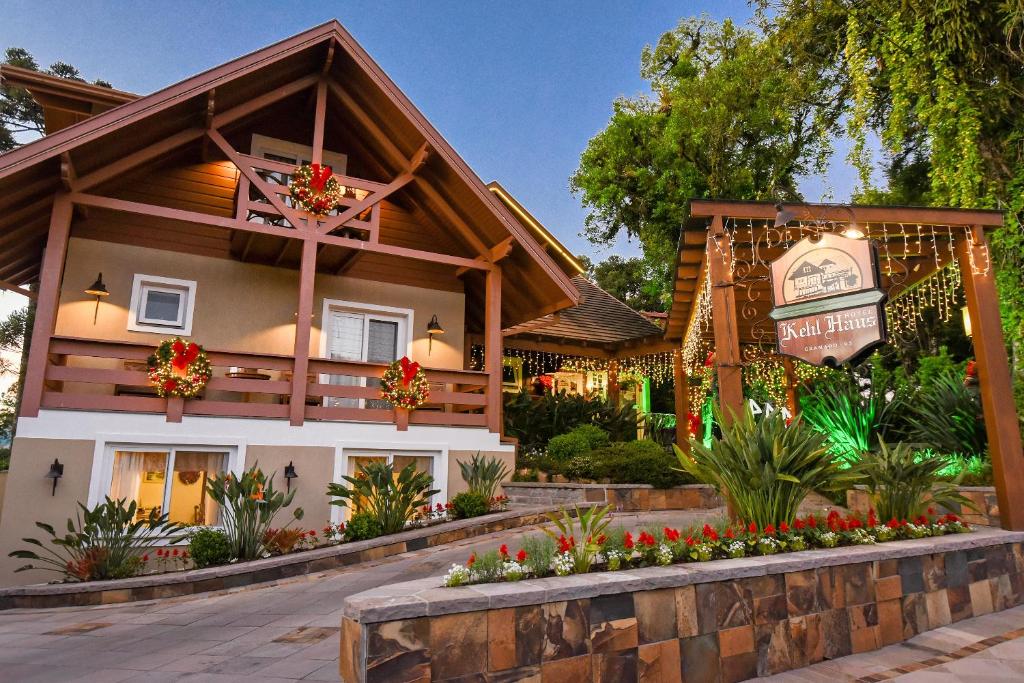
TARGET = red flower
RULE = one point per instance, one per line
(812, 521)
(784, 528)
(627, 541)
(931, 511)
(646, 539)
(503, 551)
(471, 561)
(770, 529)
(950, 517)
(521, 556)
(448, 505)
(160, 552)
(601, 539)
(893, 524)
(566, 544)
(799, 524)
(922, 520)
(729, 533)
(440, 508)
(752, 529)
(672, 535)
(690, 541)
(872, 520)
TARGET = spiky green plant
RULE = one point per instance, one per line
(766, 468)
(483, 475)
(249, 504)
(103, 542)
(582, 531)
(375, 489)
(903, 482)
(947, 417)
(850, 418)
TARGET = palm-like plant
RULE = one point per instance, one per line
(580, 535)
(248, 506)
(903, 482)
(851, 419)
(375, 489)
(766, 468)
(105, 542)
(483, 475)
(947, 417)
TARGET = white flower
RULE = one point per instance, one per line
(456, 576)
(564, 564)
(736, 549)
(513, 571)
(664, 554)
(829, 539)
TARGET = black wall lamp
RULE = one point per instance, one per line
(433, 327)
(289, 474)
(55, 473)
(98, 290)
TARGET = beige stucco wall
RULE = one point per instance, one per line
(27, 499)
(315, 467)
(456, 484)
(239, 306)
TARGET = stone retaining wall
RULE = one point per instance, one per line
(726, 620)
(983, 497)
(174, 584)
(623, 497)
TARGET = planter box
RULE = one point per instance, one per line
(727, 620)
(622, 497)
(983, 497)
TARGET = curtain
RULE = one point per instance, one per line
(129, 468)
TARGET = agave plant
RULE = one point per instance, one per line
(391, 499)
(947, 417)
(249, 504)
(902, 481)
(580, 536)
(104, 542)
(483, 475)
(766, 468)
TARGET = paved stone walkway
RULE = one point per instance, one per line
(986, 649)
(268, 634)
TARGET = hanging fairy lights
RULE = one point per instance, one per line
(941, 291)
(655, 366)
(700, 322)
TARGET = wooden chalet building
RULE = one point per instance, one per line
(178, 203)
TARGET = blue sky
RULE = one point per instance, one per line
(517, 87)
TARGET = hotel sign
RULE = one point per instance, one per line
(828, 300)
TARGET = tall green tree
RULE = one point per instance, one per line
(730, 113)
(635, 281)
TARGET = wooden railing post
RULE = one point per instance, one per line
(303, 325)
(46, 305)
(493, 348)
(724, 323)
(995, 384)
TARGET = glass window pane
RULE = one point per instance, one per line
(381, 347)
(346, 343)
(190, 503)
(163, 306)
(140, 476)
(423, 463)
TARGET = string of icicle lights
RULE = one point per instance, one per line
(942, 292)
(658, 367)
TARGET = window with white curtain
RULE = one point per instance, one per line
(170, 480)
(367, 335)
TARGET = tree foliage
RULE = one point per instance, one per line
(636, 281)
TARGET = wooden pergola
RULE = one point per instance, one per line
(722, 297)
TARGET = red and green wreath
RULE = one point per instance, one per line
(179, 368)
(404, 384)
(315, 190)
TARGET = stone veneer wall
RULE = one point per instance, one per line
(727, 620)
(986, 505)
(622, 497)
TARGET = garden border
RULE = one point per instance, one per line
(240, 574)
(622, 497)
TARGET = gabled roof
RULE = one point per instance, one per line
(31, 174)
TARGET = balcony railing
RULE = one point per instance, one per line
(84, 374)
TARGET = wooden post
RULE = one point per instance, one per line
(303, 324)
(175, 408)
(682, 399)
(723, 314)
(613, 382)
(46, 305)
(318, 121)
(1004, 442)
(493, 347)
(792, 382)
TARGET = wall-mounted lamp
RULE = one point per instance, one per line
(783, 216)
(967, 320)
(854, 232)
(433, 327)
(98, 290)
(55, 473)
(289, 474)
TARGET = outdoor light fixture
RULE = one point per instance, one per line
(433, 327)
(98, 290)
(55, 473)
(854, 232)
(967, 320)
(289, 474)
(783, 216)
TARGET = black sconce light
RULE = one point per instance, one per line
(783, 216)
(98, 290)
(289, 474)
(55, 473)
(433, 327)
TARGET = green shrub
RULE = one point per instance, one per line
(595, 436)
(483, 475)
(946, 416)
(565, 447)
(209, 547)
(903, 482)
(362, 526)
(535, 420)
(392, 500)
(765, 467)
(248, 506)
(635, 462)
(469, 504)
(487, 567)
(540, 552)
(105, 542)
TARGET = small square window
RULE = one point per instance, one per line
(162, 304)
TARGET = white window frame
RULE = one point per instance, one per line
(345, 451)
(103, 467)
(142, 284)
(263, 145)
(402, 316)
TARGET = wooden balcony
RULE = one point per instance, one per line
(83, 374)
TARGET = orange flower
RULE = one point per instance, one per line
(258, 493)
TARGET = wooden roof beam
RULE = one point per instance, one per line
(18, 290)
(496, 253)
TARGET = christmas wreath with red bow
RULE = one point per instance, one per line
(315, 190)
(179, 368)
(404, 384)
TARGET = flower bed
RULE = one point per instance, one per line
(616, 550)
